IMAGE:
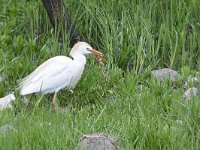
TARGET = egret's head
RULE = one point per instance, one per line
(84, 49)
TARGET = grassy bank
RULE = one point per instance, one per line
(136, 37)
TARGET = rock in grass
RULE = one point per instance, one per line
(166, 73)
(6, 128)
(190, 93)
(97, 142)
(5, 102)
(192, 81)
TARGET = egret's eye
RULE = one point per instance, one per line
(88, 49)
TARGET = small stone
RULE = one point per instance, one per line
(190, 93)
(192, 81)
(6, 128)
(165, 73)
(5, 102)
(96, 142)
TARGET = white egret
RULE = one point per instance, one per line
(58, 72)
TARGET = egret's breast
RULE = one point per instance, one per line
(76, 77)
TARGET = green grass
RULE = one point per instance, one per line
(136, 37)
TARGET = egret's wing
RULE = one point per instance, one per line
(43, 74)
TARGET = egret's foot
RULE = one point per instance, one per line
(27, 101)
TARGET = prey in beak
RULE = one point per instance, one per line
(96, 53)
(99, 56)
(100, 59)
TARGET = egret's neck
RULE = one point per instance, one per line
(79, 58)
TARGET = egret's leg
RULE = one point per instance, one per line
(54, 101)
(27, 101)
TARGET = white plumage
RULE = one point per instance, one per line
(53, 75)
(58, 72)
(5, 102)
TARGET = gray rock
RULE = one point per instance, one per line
(190, 93)
(165, 73)
(6, 128)
(192, 81)
(97, 142)
(5, 102)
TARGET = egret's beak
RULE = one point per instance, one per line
(95, 52)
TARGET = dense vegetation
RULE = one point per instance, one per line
(136, 37)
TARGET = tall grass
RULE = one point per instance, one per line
(136, 37)
(139, 33)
